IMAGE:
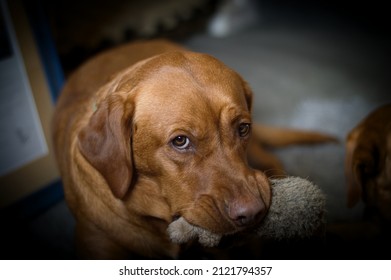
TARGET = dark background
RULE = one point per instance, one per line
(319, 65)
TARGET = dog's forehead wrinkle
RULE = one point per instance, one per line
(178, 112)
(234, 113)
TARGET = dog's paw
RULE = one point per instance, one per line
(180, 231)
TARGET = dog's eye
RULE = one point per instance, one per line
(244, 129)
(181, 142)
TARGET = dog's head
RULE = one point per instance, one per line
(181, 123)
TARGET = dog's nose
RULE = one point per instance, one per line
(246, 213)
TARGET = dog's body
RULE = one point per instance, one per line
(166, 137)
(368, 164)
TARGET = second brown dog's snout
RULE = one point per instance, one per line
(245, 213)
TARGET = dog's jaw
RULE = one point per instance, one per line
(297, 211)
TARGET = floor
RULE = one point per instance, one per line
(305, 74)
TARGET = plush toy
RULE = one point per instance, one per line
(297, 211)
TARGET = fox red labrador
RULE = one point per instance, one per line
(148, 133)
(368, 164)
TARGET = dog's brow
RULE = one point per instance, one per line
(234, 114)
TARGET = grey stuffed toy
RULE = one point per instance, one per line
(297, 211)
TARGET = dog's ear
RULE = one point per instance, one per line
(106, 142)
(361, 166)
(352, 173)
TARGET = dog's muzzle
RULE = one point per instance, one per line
(297, 211)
